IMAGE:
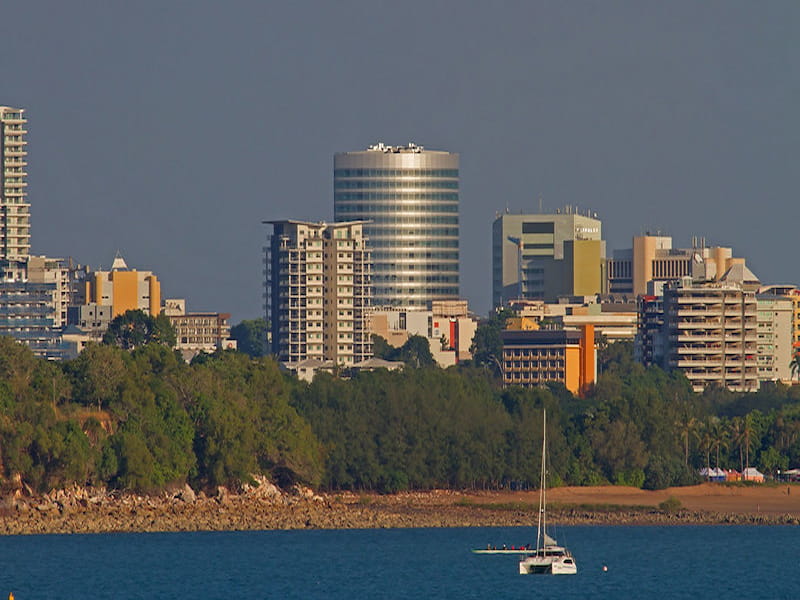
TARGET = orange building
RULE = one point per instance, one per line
(124, 289)
(532, 358)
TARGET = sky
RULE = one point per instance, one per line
(168, 131)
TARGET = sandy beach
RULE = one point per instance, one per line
(706, 497)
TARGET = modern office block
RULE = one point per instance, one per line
(69, 279)
(539, 357)
(26, 314)
(652, 258)
(124, 289)
(408, 197)
(15, 217)
(318, 291)
(544, 256)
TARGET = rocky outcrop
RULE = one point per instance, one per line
(264, 506)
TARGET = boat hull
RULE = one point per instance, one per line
(536, 565)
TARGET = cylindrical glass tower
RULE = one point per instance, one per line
(410, 197)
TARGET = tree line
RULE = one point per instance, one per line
(143, 419)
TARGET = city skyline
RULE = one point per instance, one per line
(676, 118)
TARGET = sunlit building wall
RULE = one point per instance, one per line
(409, 198)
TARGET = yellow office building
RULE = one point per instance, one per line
(124, 289)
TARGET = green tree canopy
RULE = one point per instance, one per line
(135, 328)
(251, 337)
(487, 345)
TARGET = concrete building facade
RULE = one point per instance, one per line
(68, 279)
(408, 197)
(775, 337)
(614, 318)
(448, 327)
(711, 334)
(544, 256)
(318, 291)
(198, 331)
(652, 258)
(26, 314)
(15, 213)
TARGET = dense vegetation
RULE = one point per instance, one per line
(143, 419)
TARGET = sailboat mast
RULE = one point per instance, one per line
(544, 478)
(540, 529)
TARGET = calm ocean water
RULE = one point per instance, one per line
(643, 563)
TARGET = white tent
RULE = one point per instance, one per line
(752, 474)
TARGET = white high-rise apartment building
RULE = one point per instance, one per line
(317, 291)
(15, 226)
(711, 334)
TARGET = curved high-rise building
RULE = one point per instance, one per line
(409, 196)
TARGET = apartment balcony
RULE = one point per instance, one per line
(683, 363)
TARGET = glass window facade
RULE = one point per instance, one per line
(410, 198)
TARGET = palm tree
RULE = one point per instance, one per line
(686, 425)
(705, 442)
(737, 437)
(719, 434)
(747, 436)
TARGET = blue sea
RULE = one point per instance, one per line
(642, 562)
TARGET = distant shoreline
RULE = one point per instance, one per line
(707, 504)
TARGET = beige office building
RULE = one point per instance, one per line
(15, 217)
(318, 291)
(545, 256)
(652, 258)
(408, 198)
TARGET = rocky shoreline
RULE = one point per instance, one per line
(265, 507)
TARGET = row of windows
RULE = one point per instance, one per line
(395, 173)
(421, 279)
(544, 376)
(396, 196)
(381, 255)
(379, 240)
(198, 340)
(415, 220)
(544, 364)
(535, 352)
(381, 230)
(390, 292)
(390, 268)
(198, 331)
(394, 207)
(395, 184)
(403, 219)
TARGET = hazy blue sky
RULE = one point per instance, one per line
(170, 130)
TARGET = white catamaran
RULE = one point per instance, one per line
(548, 557)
